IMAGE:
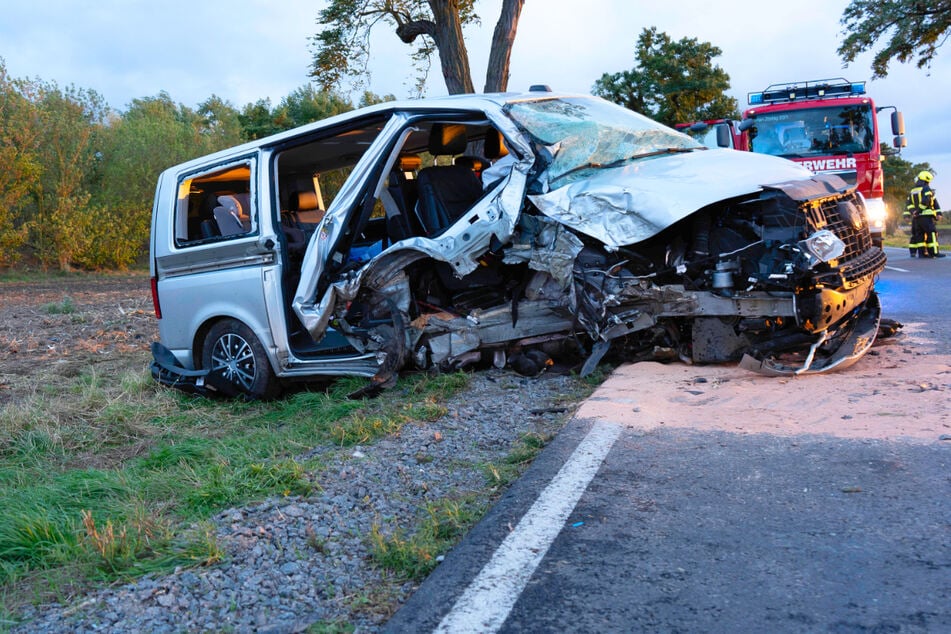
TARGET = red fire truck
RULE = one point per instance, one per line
(828, 126)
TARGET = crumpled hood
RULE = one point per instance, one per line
(625, 205)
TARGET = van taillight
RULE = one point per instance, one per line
(155, 300)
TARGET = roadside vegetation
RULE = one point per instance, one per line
(900, 177)
(77, 177)
(898, 236)
(413, 552)
(106, 479)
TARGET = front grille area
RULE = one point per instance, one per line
(870, 263)
(845, 218)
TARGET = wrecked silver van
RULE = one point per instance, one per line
(447, 232)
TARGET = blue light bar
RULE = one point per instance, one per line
(803, 90)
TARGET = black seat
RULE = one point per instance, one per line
(445, 192)
(402, 188)
(209, 229)
(202, 225)
(475, 163)
(296, 240)
(299, 219)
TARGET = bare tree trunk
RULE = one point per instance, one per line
(452, 48)
(497, 74)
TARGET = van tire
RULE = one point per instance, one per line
(237, 360)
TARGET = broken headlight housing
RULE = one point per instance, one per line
(822, 246)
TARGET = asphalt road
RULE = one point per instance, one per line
(705, 499)
(917, 290)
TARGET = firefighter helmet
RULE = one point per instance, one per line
(925, 176)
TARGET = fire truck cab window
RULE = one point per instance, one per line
(837, 130)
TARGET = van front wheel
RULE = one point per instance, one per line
(237, 361)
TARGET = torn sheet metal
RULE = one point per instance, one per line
(626, 205)
(546, 246)
(849, 347)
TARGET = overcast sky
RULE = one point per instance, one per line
(245, 50)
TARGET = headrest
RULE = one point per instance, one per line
(231, 205)
(447, 138)
(244, 203)
(495, 145)
(475, 163)
(303, 201)
(409, 162)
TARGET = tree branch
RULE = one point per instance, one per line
(409, 31)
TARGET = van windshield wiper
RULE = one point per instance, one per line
(621, 161)
(666, 150)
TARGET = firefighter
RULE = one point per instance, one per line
(924, 209)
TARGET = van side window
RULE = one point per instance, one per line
(215, 205)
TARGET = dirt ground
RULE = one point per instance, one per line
(69, 325)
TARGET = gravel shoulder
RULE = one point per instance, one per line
(292, 562)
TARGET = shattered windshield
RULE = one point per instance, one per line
(814, 131)
(581, 134)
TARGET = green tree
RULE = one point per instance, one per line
(899, 177)
(306, 105)
(371, 99)
(912, 28)
(77, 179)
(19, 166)
(220, 122)
(342, 47)
(672, 81)
(154, 133)
(68, 122)
(49, 154)
(257, 121)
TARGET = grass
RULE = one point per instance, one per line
(503, 473)
(64, 307)
(330, 627)
(109, 478)
(414, 554)
(23, 274)
(105, 476)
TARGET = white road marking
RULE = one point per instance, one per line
(486, 603)
(895, 268)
